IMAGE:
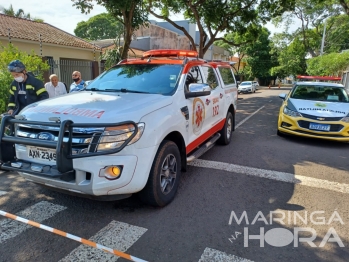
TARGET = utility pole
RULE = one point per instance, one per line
(323, 40)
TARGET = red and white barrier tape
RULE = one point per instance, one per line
(67, 235)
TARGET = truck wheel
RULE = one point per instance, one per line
(227, 130)
(164, 176)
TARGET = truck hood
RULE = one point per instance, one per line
(321, 108)
(96, 107)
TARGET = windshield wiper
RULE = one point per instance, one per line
(99, 90)
(125, 90)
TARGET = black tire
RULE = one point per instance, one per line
(164, 176)
(280, 133)
(227, 130)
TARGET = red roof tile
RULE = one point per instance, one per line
(29, 30)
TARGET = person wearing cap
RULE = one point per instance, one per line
(54, 87)
(25, 88)
(78, 83)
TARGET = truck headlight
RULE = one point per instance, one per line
(292, 113)
(114, 137)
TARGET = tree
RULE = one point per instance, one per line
(291, 60)
(19, 13)
(337, 31)
(258, 55)
(102, 26)
(345, 5)
(130, 13)
(311, 14)
(212, 17)
(238, 50)
(32, 62)
(329, 64)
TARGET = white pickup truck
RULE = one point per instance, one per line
(132, 130)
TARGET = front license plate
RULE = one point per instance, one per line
(41, 153)
(320, 127)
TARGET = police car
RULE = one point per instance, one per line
(132, 130)
(315, 109)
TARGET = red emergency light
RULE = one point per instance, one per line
(170, 52)
(324, 78)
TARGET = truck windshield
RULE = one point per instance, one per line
(139, 78)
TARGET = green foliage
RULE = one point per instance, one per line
(258, 55)
(337, 31)
(102, 26)
(328, 65)
(291, 53)
(130, 13)
(31, 61)
(212, 17)
(311, 15)
(112, 56)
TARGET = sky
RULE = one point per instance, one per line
(62, 14)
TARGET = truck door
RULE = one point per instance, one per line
(204, 111)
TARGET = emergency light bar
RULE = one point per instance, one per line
(326, 78)
(170, 52)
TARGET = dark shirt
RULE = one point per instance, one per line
(34, 92)
(22, 98)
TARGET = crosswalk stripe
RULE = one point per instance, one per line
(274, 175)
(38, 212)
(116, 235)
(2, 193)
(213, 255)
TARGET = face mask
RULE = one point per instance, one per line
(19, 79)
(76, 79)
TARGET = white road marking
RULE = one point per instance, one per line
(274, 175)
(247, 118)
(116, 235)
(38, 213)
(2, 193)
(213, 255)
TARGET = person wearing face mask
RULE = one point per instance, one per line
(78, 83)
(54, 87)
(25, 88)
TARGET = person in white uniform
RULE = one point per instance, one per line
(54, 87)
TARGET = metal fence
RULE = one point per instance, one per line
(64, 68)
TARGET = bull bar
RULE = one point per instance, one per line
(64, 157)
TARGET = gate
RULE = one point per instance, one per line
(64, 68)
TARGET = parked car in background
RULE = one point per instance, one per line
(256, 84)
(247, 87)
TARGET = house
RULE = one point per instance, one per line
(64, 52)
(213, 53)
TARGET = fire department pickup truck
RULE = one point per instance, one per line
(132, 130)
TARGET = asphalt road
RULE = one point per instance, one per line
(283, 191)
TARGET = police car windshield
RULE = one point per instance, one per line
(139, 78)
(320, 93)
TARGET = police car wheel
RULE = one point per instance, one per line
(164, 176)
(280, 133)
(227, 130)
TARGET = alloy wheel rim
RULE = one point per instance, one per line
(168, 174)
(229, 128)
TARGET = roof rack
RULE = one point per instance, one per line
(321, 78)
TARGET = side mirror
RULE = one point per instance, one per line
(196, 90)
(282, 96)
